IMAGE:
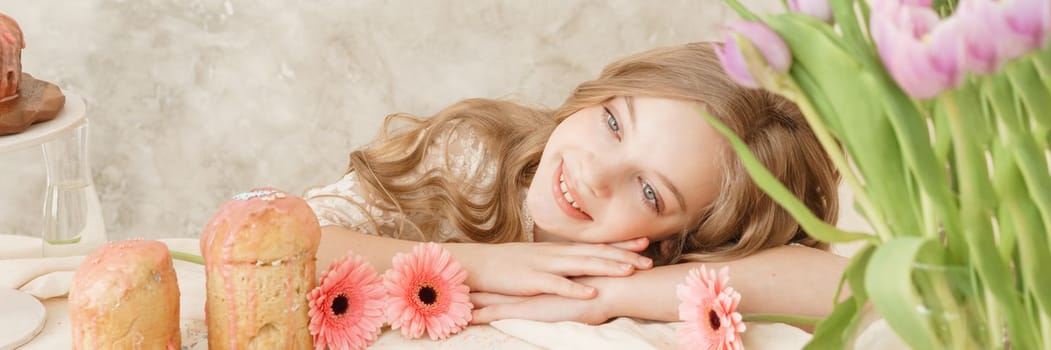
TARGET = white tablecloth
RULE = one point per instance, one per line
(49, 279)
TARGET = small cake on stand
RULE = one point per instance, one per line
(24, 100)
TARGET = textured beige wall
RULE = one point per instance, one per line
(192, 101)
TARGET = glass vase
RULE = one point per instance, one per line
(72, 218)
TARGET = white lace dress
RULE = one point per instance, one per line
(459, 151)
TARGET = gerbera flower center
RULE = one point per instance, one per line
(713, 320)
(340, 304)
(427, 295)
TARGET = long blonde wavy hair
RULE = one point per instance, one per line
(740, 221)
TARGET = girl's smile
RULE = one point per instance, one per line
(566, 197)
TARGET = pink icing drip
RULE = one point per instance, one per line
(237, 213)
(251, 299)
(231, 303)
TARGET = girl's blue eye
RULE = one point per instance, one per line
(651, 196)
(611, 122)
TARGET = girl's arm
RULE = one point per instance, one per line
(791, 280)
(784, 280)
(509, 268)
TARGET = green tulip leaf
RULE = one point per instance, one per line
(888, 281)
(855, 271)
(1033, 248)
(851, 24)
(830, 333)
(768, 183)
(1036, 96)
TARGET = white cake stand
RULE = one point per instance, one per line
(22, 316)
(70, 117)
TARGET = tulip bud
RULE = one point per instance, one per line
(734, 63)
(773, 49)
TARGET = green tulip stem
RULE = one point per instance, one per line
(977, 229)
(782, 318)
(954, 316)
(788, 88)
(930, 218)
(992, 314)
(187, 257)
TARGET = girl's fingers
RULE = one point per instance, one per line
(635, 245)
(491, 313)
(483, 299)
(554, 284)
(575, 265)
(611, 253)
(498, 312)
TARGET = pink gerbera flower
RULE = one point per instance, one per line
(708, 306)
(346, 308)
(426, 291)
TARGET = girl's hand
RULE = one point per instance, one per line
(527, 269)
(546, 308)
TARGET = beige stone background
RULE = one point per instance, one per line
(192, 101)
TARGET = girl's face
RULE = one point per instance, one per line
(628, 168)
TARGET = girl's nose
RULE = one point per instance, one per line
(599, 173)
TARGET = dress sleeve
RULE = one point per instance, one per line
(345, 203)
(459, 152)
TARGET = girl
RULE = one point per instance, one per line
(599, 208)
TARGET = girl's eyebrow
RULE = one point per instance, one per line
(630, 101)
(674, 191)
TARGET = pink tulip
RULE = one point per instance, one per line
(820, 9)
(998, 31)
(921, 53)
(917, 3)
(1029, 21)
(982, 34)
(772, 47)
(945, 53)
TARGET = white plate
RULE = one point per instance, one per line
(71, 116)
(22, 316)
